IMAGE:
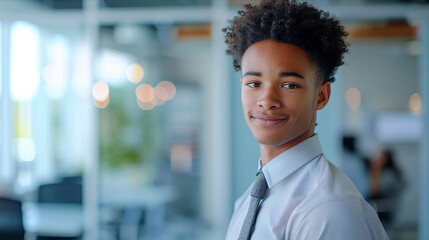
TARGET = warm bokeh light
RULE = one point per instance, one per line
(149, 97)
(100, 91)
(415, 102)
(168, 87)
(145, 92)
(135, 73)
(102, 104)
(145, 105)
(157, 101)
(353, 98)
(161, 93)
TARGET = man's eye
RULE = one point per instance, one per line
(290, 85)
(253, 84)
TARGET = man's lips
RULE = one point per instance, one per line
(268, 121)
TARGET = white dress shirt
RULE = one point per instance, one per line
(308, 198)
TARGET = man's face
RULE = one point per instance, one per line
(279, 93)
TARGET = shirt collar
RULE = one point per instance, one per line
(291, 160)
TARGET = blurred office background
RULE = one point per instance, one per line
(121, 119)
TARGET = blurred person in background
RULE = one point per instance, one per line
(288, 53)
(386, 178)
(354, 165)
(386, 183)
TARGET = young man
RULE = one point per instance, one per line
(288, 53)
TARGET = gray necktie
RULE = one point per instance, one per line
(257, 194)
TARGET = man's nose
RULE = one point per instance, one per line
(269, 98)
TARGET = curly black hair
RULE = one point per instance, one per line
(300, 24)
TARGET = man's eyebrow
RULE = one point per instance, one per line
(257, 74)
(282, 74)
(290, 74)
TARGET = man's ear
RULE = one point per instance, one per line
(323, 95)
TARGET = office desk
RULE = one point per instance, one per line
(128, 196)
(147, 203)
(53, 219)
(66, 220)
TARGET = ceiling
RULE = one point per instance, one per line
(77, 4)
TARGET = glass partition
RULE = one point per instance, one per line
(45, 100)
(149, 83)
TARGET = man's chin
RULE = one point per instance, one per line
(270, 142)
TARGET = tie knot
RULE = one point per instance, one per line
(260, 186)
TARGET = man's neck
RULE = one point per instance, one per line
(269, 152)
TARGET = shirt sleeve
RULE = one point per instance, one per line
(335, 220)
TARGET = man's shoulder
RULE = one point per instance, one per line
(339, 209)
(329, 213)
(324, 201)
(339, 219)
(334, 206)
(331, 180)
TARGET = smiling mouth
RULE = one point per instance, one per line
(269, 121)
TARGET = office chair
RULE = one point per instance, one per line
(58, 238)
(11, 223)
(72, 179)
(63, 192)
